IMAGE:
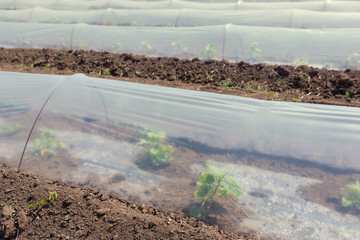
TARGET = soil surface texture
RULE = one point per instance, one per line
(86, 214)
(267, 82)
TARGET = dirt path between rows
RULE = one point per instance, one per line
(267, 82)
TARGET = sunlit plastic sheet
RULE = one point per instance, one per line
(293, 18)
(99, 120)
(316, 47)
(324, 5)
(21, 99)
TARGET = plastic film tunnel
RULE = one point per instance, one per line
(86, 132)
(316, 47)
(316, 33)
(288, 18)
(318, 5)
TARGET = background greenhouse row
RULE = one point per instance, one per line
(320, 5)
(286, 18)
(270, 32)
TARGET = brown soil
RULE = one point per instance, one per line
(86, 214)
(268, 82)
(107, 217)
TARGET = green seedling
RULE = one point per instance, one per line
(46, 146)
(144, 46)
(214, 182)
(179, 46)
(27, 43)
(294, 100)
(228, 84)
(52, 197)
(47, 66)
(253, 52)
(65, 42)
(59, 21)
(260, 88)
(79, 44)
(209, 75)
(346, 95)
(249, 88)
(353, 197)
(156, 152)
(353, 61)
(117, 47)
(167, 24)
(328, 64)
(10, 130)
(270, 95)
(208, 51)
(299, 62)
(107, 71)
(136, 24)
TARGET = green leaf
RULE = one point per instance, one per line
(202, 191)
(47, 134)
(43, 201)
(156, 136)
(232, 186)
(38, 143)
(154, 151)
(346, 201)
(60, 144)
(221, 191)
(32, 205)
(142, 142)
(198, 213)
(206, 178)
(216, 172)
(53, 196)
(166, 148)
(355, 188)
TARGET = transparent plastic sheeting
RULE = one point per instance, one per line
(98, 121)
(21, 98)
(291, 18)
(333, 48)
(325, 5)
(308, 132)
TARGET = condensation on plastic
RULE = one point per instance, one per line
(231, 42)
(321, 5)
(323, 134)
(292, 18)
(86, 113)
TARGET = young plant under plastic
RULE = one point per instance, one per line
(214, 182)
(47, 145)
(10, 130)
(208, 51)
(353, 197)
(157, 152)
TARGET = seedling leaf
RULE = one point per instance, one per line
(215, 171)
(353, 197)
(202, 191)
(223, 186)
(206, 178)
(198, 213)
(233, 187)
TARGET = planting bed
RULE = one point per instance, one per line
(285, 196)
(267, 82)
